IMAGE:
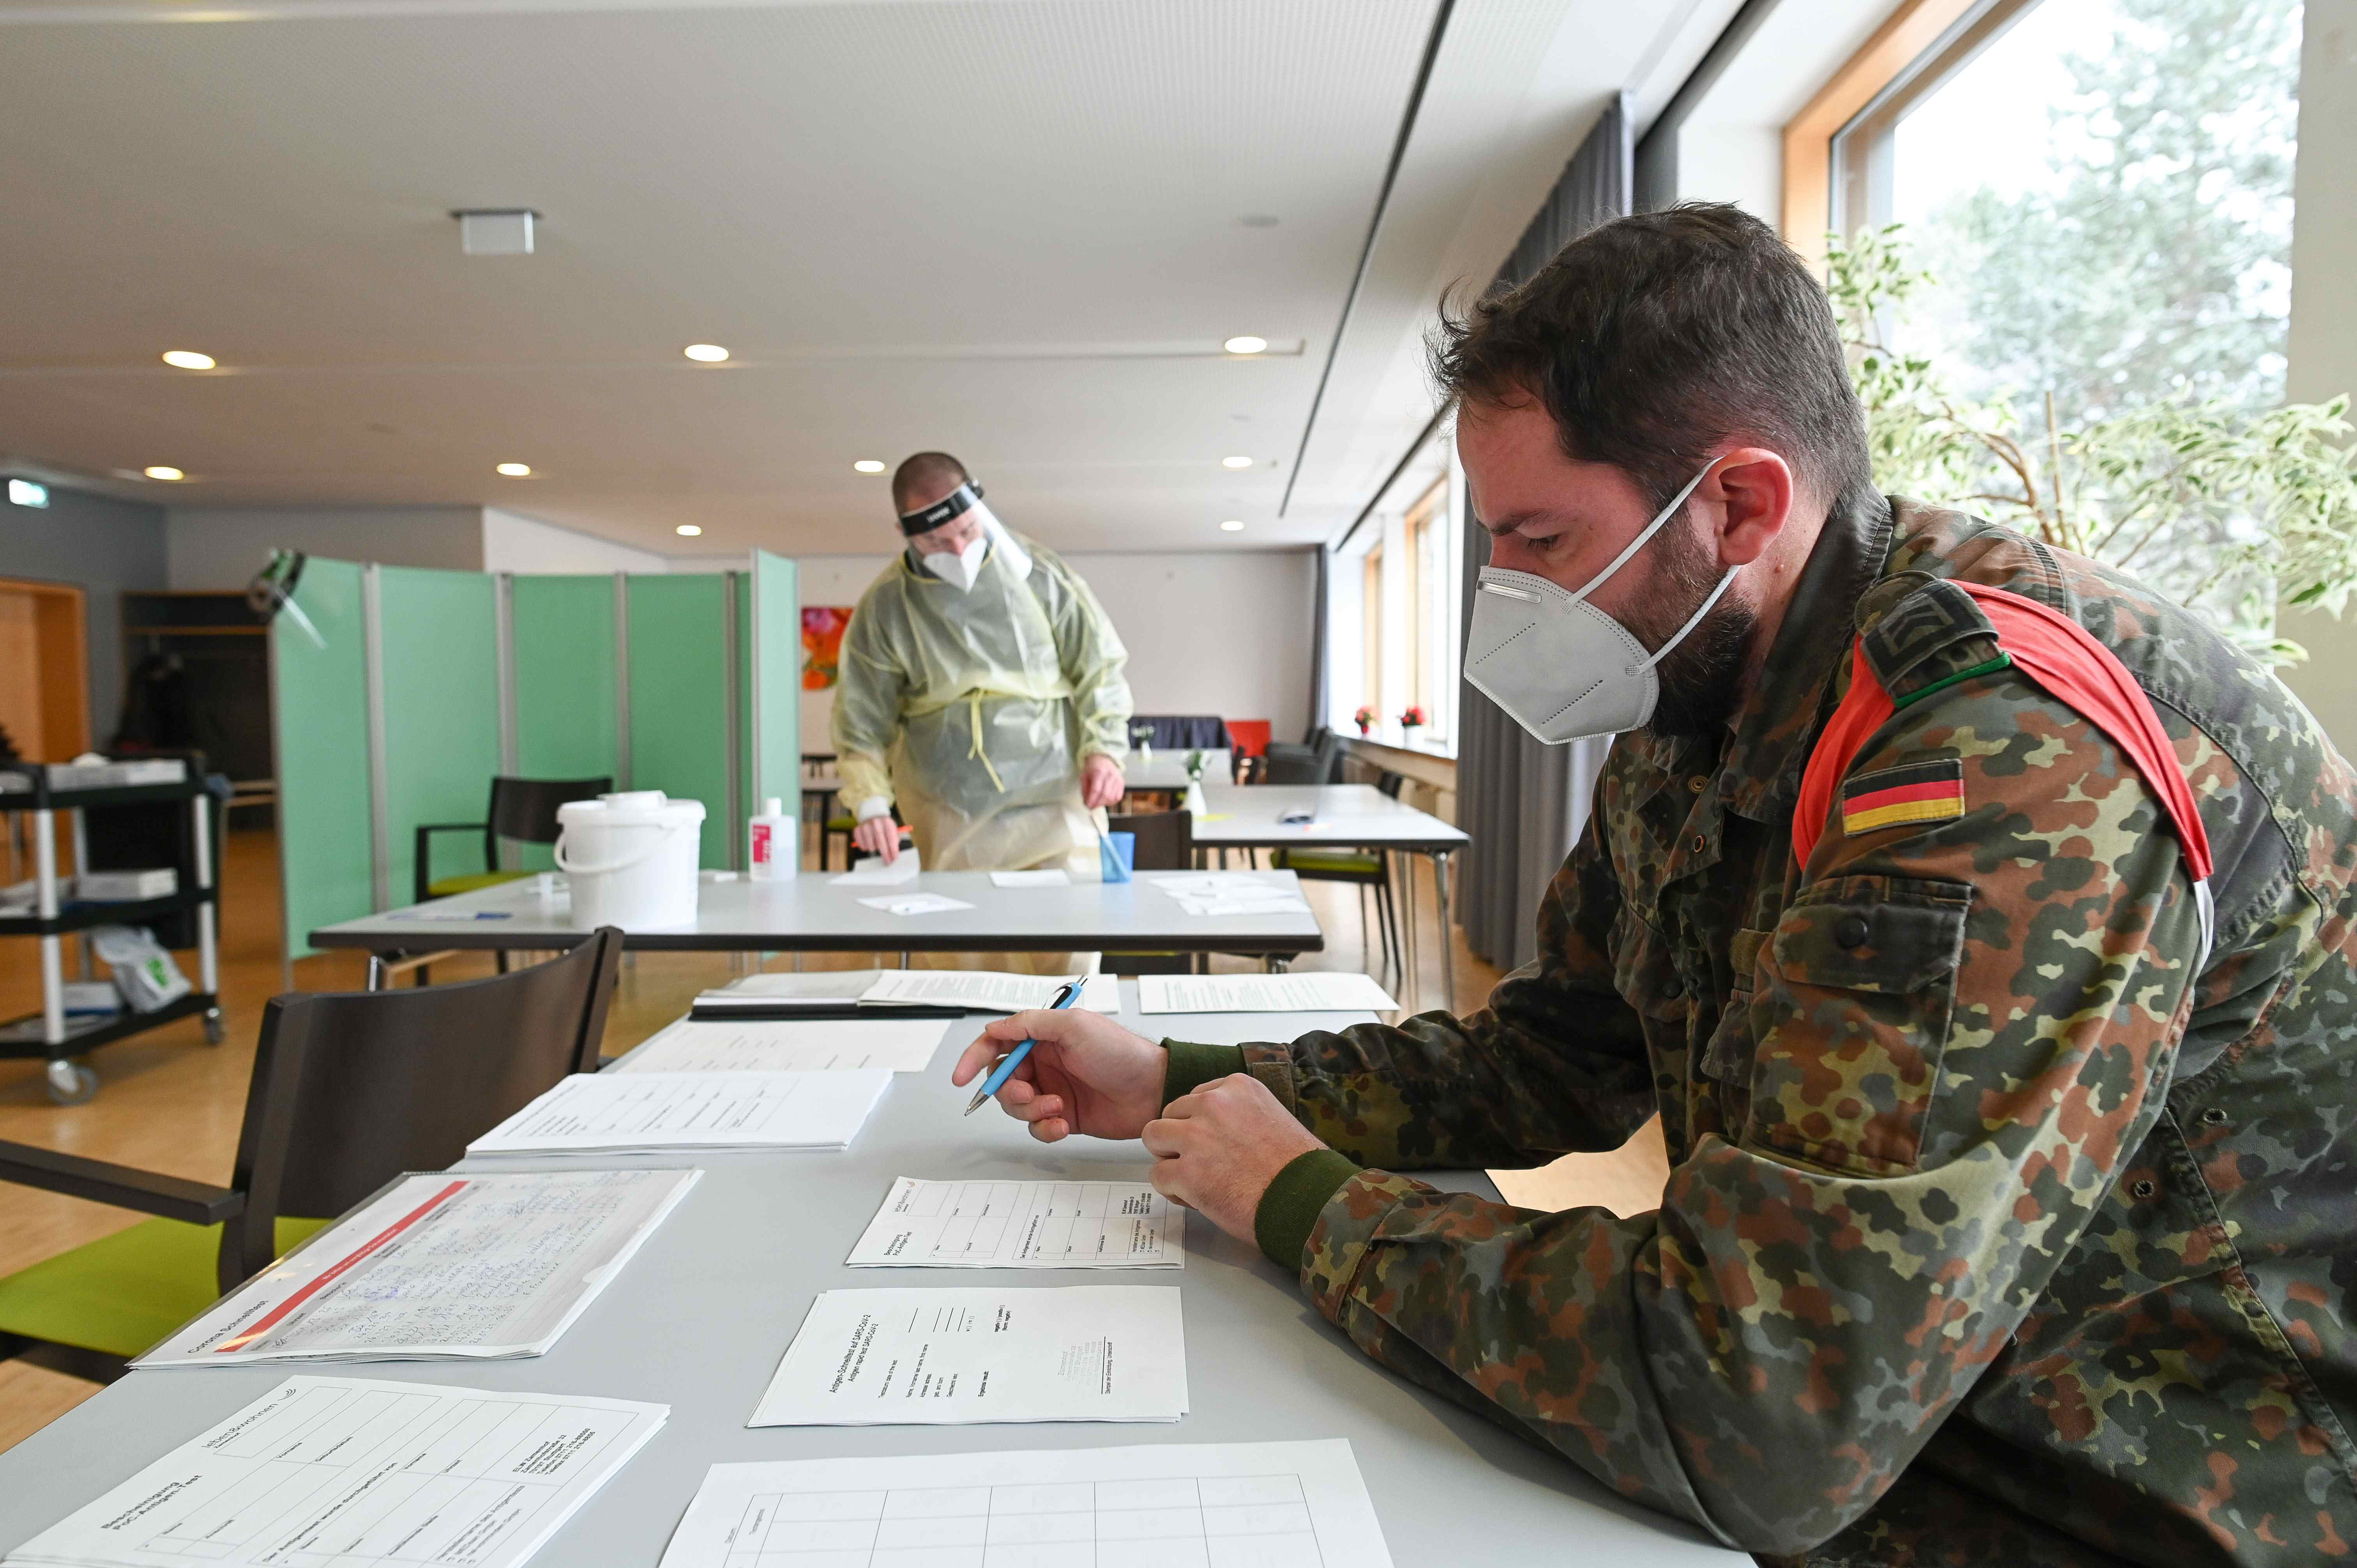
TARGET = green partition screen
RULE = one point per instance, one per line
(565, 707)
(319, 730)
(441, 714)
(774, 701)
(679, 698)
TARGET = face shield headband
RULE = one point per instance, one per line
(952, 505)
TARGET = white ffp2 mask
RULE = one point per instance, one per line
(960, 570)
(1559, 667)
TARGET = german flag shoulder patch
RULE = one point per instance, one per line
(1919, 792)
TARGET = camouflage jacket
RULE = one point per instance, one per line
(1994, 1233)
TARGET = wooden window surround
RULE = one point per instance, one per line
(1913, 28)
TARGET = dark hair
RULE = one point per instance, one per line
(1653, 338)
(923, 474)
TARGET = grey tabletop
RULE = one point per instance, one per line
(811, 913)
(699, 1317)
(1244, 816)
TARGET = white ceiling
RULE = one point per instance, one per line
(1011, 230)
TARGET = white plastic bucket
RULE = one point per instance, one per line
(630, 859)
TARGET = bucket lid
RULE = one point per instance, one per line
(631, 808)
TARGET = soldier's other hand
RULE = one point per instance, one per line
(879, 836)
(1218, 1149)
(1087, 1074)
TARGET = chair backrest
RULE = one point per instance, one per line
(1251, 736)
(525, 809)
(351, 1089)
(1328, 757)
(1389, 782)
(1291, 767)
(1166, 839)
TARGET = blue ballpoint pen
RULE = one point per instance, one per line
(997, 1077)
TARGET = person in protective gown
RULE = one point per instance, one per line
(982, 693)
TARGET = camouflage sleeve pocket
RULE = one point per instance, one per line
(1858, 987)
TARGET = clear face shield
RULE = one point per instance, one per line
(961, 568)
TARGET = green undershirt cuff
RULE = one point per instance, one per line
(1191, 1066)
(1289, 1210)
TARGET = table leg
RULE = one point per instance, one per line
(53, 978)
(208, 939)
(1448, 945)
(1276, 962)
(1411, 956)
(376, 972)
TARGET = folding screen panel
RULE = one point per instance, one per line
(681, 687)
(775, 701)
(441, 741)
(319, 731)
(561, 637)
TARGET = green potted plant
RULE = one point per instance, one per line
(2229, 514)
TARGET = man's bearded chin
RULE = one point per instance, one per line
(1702, 677)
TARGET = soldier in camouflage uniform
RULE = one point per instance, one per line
(2004, 1224)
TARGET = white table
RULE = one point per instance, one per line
(810, 913)
(699, 1317)
(1343, 816)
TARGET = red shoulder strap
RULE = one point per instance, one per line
(2067, 662)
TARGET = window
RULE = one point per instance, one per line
(1392, 607)
(2101, 190)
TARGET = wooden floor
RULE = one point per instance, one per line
(169, 1102)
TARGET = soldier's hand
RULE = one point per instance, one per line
(1087, 1074)
(879, 836)
(1218, 1149)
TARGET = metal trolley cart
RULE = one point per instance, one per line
(49, 1035)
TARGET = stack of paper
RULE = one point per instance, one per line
(986, 989)
(1048, 878)
(953, 1357)
(633, 1112)
(438, 1266)
(913, 903)
(1276, 1505)
(1311, 991)
(1023, 1225)
(1227, 893)
(872, 872)
(819, 989)
(788, 1045)
(363, 1475)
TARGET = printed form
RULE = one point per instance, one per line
(610, 1112)
(1228, 1505)
(789, 1045)
(363, 1475)
(1309, 991)
(1227, 893)
(439, 1266)
(1023, 1225)
(988, 990)
(954, 1357)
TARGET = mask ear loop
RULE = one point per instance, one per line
(1653, 528)
(1691, 621)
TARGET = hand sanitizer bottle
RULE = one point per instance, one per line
(776, 844)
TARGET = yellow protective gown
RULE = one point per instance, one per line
(973, 710)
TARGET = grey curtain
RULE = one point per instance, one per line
(1320, 697)
(1524, 803)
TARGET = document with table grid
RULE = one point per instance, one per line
(361, 1474)
(1023, 1225)
(1211, 1505)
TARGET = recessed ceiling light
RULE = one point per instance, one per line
(515, 470)
(688, 530)
(1246, 344)
(708, 353)
(1234, 525)
(187, 359)
(868, 466)
(1235, 462)
(163, 471)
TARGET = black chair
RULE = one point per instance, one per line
(349, 1091)
(1319, 762)
(1165, 842)
(1370, 870)
(524, 810)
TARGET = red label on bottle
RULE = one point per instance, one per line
(760, 844)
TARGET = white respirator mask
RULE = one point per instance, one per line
(1559, 667)
(960, 571)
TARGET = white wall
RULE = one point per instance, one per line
(2324, 314)
(525, 545)
(1224, 633)
(210, 547)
